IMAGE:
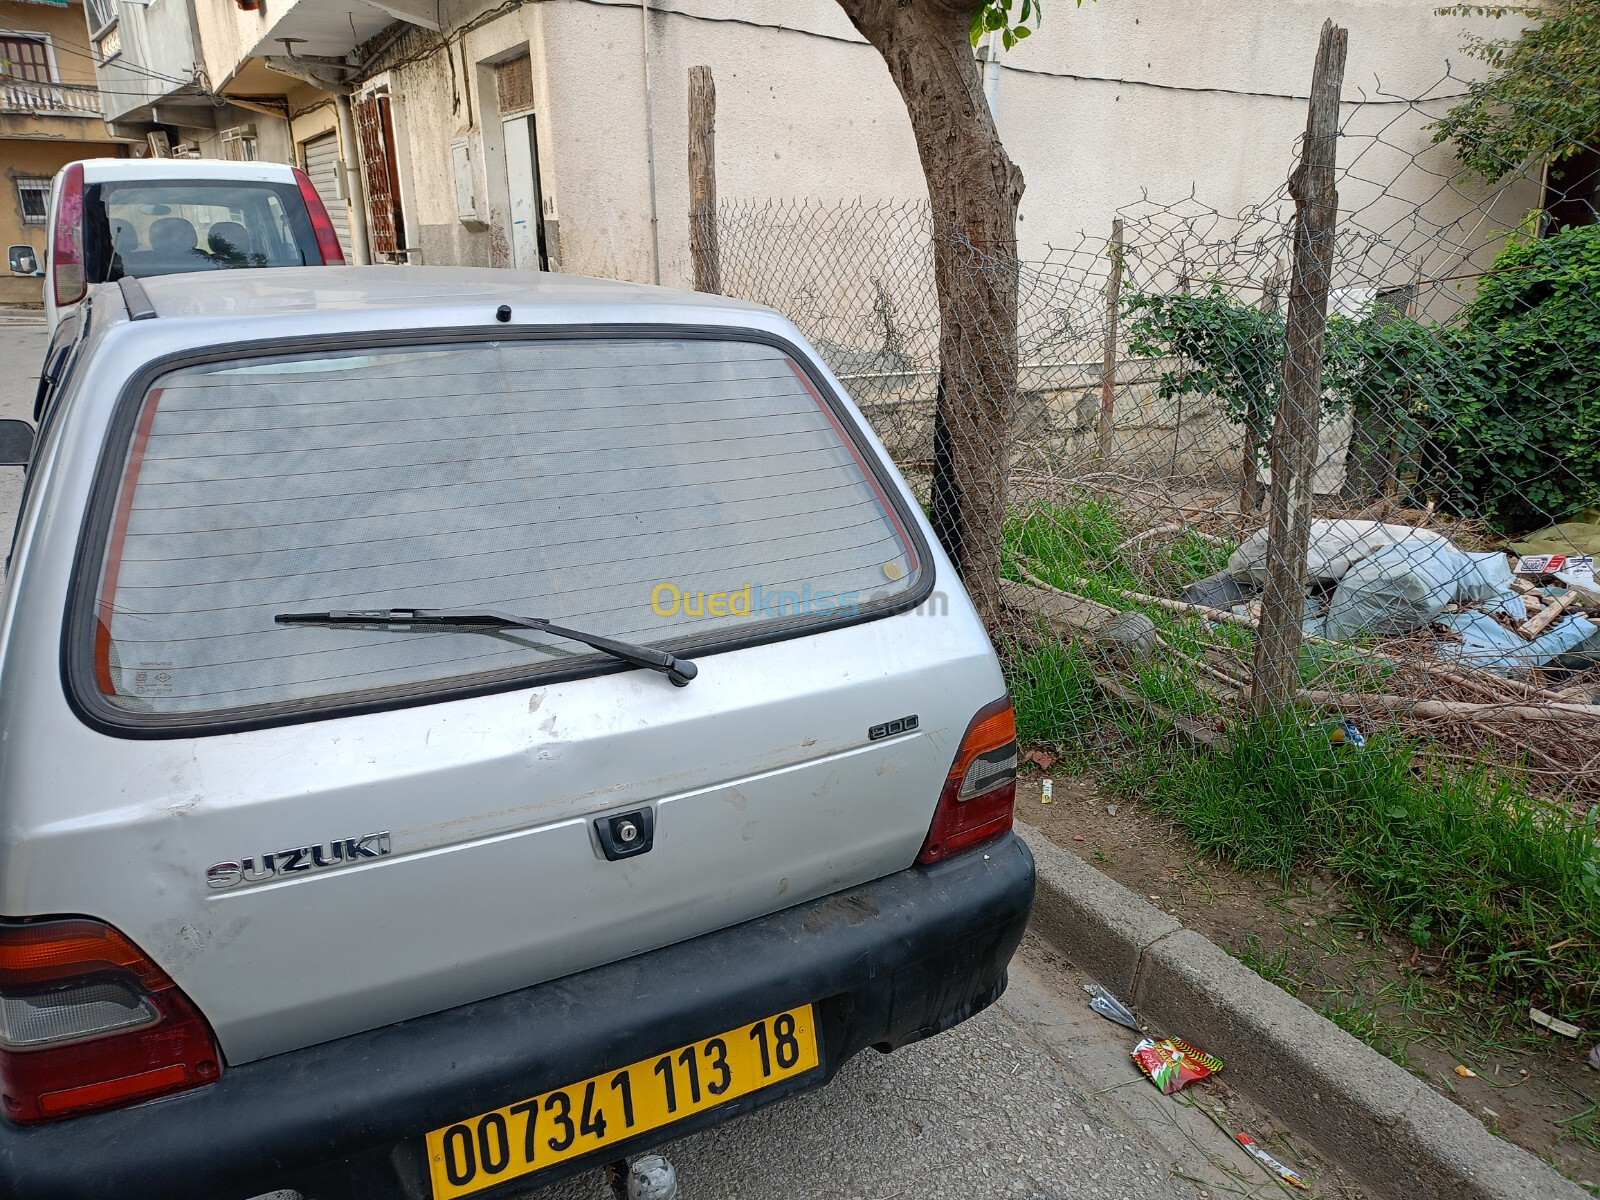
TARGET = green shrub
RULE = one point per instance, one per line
(1526, 443)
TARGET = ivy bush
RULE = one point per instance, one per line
(1526, 441)
(1502, 405)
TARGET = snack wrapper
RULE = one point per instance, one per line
(1287, 1174)
(1172, 1063)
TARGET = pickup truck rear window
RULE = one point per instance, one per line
(678, 492)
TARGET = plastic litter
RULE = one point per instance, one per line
(1345, 733)
(1173, 1063)
(1221, 590)
(1555, 564)
(1488, 644)
(1108, 1006)
(1594, 1057)
(1335, 546)
(1553, 1024)
(1386, 580)
(1570, 537)
(1287, 1174)
(1403, 587)
(1047, 792)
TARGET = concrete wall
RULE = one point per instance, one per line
(228, 34)
(1105, 105)
(157, 40)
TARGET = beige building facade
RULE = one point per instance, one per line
(553, 133)
(50, 114)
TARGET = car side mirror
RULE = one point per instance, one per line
(24, 260)
(16, 443)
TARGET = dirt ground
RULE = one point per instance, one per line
(1527, 1085)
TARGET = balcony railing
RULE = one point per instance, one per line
(49, 99)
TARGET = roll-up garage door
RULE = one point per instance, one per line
(322, 165)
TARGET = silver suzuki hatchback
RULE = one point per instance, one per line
(462, 727)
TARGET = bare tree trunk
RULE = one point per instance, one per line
(1294, 434)
(974, 188)
(703, 246)
(1250, 467)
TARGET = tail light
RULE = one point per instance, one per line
(321, 225)
(87, 1022)
(981, 789)
(67, 276)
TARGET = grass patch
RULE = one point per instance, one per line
(1074, 546)
(1459, 861)
(1464, 862)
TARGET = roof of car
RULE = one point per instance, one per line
(99, 170)
(530, 294)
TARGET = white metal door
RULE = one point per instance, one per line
(522, 177)
(322, 165)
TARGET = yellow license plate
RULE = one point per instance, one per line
(543, 1130)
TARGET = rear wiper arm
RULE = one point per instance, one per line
(679, 670)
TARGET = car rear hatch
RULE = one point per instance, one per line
(322, 828)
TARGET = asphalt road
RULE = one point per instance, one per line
(987, 1110)
(1034, 1099)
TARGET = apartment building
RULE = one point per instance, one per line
(553, 133)
(50, 114)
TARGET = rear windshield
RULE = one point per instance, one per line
(163, 228)
(673, 492)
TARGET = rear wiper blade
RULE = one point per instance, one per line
(679, 670)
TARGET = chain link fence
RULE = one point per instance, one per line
(1449, 643)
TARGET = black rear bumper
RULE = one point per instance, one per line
(887, 963)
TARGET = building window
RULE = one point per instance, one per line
(109, 45)
(33, 198)
(26, 58)
(101, 13)
(239, 146)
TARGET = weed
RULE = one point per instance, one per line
(1273, 967)
(1581, 1126)
(1357, 1016)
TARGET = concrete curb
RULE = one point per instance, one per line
(1372, 1117)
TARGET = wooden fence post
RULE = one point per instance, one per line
(703, 247)
(1295, 428)
(1108, 372)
